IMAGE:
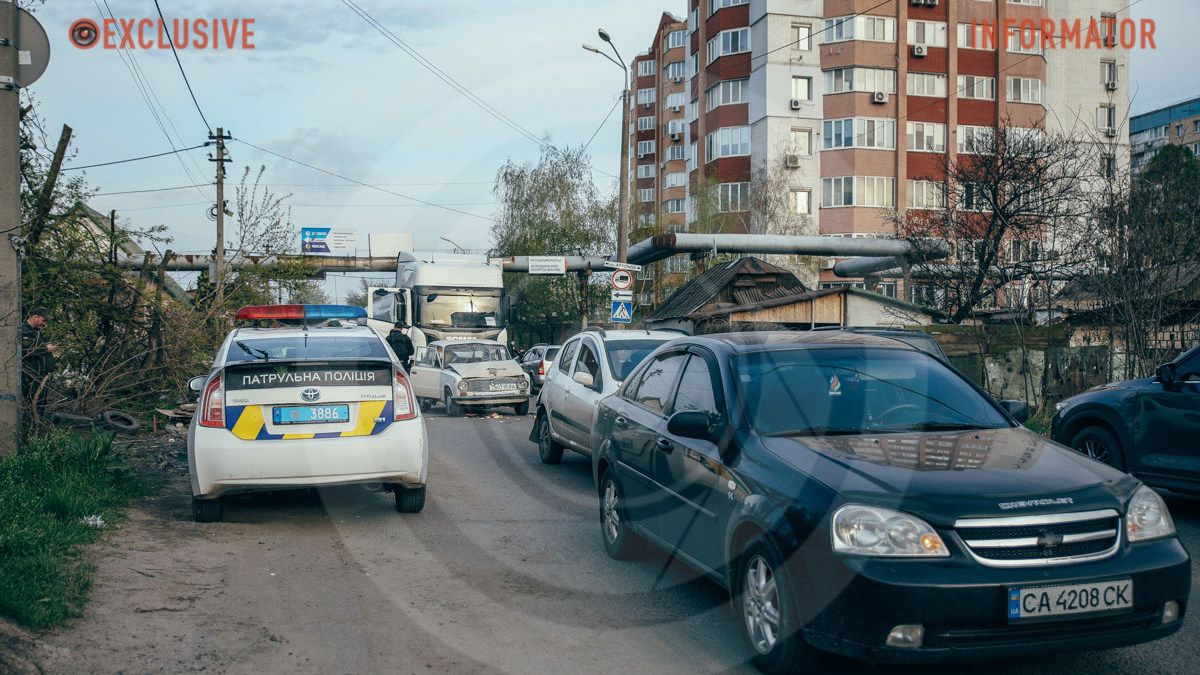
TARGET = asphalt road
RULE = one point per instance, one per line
(503, 572)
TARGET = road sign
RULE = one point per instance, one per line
(622, 280)
(547, 264)
(33, 49)
(629, 267)
(328, 241)
(622, 296)
(622, 312)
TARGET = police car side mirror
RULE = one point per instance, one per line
(196, 384)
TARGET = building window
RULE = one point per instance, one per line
(728, 142)
(802, 88)
(926, 137)
(674, 180)
(691, 157)
(974, 197)
(675, 127)
(675, 70)
(801, 202)
(645, 171)
(1106, 117)
(926, 296)
(1025, 90)
(929, 33)
(645, 123)
(645, 194)
(733, 197)
(1178, 129)
(887, 288)
(646, 68)
(1108, 166)
(872, 191)
(927, 84)
(676, 38)
(1108, 71)
(869, 28)
(728, 92)
(977, 86)
(860, 79)
(714, 5)
(676, 100)
(736, 41)
(646, 219)
(801, 36)
(1025, 41)
(646, 96)
(1024, 251)
(645, 148)
(673, 206)
(676, 152)
(1108, 22)
(968, 39)
(925, 194)
(858, 132)
(974, 140)
(801, 142)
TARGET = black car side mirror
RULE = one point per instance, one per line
(1018, 409)
(1166, 375)
(691, 424)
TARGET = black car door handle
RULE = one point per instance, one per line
(665, 445)
(621, 422)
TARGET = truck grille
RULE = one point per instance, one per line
(1041, 540)
(484, 384)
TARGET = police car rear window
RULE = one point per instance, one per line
(304, 349)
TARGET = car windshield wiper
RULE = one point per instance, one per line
(256, 353)
(817, 431)
(942, 426)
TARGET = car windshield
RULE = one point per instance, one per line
(459, 310)
(475, 352)
(819, 392)
(304, 348)
(625, 355)
(551, 353)
(921, 341)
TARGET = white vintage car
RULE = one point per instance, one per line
(469, 373)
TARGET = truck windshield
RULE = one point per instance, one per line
(821, 392)
(459, 310)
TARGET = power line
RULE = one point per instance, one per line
(171, 42)
(136, 159)
(135, 192)
(167, 206)
(358, 182)
(603, 122)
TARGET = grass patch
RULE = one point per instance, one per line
(1040, 423)
(59, 479)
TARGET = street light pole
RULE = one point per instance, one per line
(623, 191)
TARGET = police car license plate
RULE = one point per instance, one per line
(502, 386)
(310, 414)
(1052, 601)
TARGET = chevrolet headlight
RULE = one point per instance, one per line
(874, 531)
(1147, 516)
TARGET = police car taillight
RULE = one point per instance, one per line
(402, 399)
(212, 403)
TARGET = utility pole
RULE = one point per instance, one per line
(221, 159)
(10, 221)
(623, 191)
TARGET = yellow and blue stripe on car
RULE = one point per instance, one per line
(247, 423)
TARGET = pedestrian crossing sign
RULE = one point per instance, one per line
(622, 312)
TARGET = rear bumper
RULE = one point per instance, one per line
(963, 607)
(220, 463)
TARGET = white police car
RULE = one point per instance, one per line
(315, 400)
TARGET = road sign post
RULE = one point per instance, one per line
(622, 312)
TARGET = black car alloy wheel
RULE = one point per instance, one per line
(1099, 444)
(760, 605)
(619, 541)
(762, 592)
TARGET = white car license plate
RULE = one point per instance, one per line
(1037, 602)
(502, 386)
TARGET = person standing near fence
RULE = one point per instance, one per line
(37, 361)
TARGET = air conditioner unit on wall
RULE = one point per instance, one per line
(1110, 132)
(931, 3)
(795, 104)
(920, 51)
(676, 136)
(791, 161)
(879, 97)
(1111, 85)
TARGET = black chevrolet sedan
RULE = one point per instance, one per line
(858, 496)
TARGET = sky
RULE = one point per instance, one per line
(322, 86)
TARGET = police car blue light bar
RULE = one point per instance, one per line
(305, 312)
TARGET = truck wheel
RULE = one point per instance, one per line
(207, 510)
(522, 408)
(410, 499)
(453, 409)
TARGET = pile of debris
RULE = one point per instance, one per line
(179, 417)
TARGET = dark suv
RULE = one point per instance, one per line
(1147, 427)
(859, 496)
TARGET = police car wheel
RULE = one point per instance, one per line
(453, 409)
(410, 500)
(207, 510)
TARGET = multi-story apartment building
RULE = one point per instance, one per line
(1177, 124)
(849, 108)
